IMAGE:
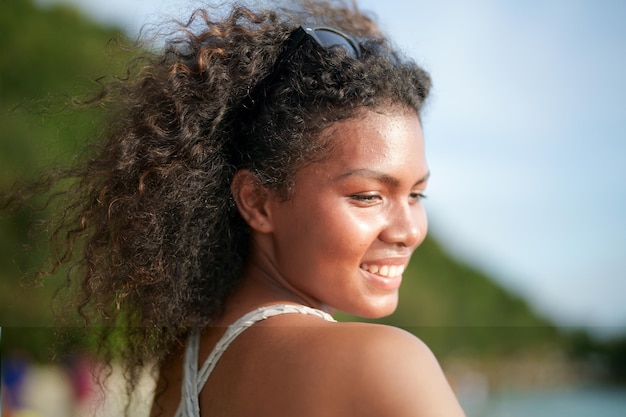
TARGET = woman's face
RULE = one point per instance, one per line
(346, 234)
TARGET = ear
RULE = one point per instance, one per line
(251, 198)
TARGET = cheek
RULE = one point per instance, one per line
(338, 229)
(366, 229)
(358, 229)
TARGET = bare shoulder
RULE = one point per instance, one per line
(390, 372)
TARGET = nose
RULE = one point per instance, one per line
(406, 225)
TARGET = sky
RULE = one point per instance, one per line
(525, 134)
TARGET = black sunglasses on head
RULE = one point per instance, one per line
(325, 37)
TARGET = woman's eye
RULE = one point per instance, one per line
(416, 196)
(366, 198)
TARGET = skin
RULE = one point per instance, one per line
(358, 206)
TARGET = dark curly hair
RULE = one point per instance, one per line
(161, 243)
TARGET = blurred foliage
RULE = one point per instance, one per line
(46, 54)
(49, 53)
(606, 357)
(49, 61)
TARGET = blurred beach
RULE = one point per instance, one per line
(69, 390)
(538, 390)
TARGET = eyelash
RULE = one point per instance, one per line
(365, 197)
(369, 198)
(418, 196)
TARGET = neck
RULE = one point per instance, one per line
(262, 284)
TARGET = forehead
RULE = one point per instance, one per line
(384, 138)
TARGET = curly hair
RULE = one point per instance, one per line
(150, 225)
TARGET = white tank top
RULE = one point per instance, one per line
(194, 380)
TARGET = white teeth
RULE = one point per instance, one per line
(393, 271)
(384, 270)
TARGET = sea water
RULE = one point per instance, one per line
(570, 402)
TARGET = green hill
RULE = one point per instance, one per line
(47, 53)
(456, 308)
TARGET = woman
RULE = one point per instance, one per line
(262, 172)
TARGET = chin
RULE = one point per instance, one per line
(378, 309)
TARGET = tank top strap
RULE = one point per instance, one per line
(194, 380)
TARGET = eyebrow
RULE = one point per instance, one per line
(380, 176)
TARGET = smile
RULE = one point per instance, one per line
(388, 271)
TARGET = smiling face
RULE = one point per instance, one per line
(343, 238)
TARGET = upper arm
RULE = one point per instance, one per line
(399, 376)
